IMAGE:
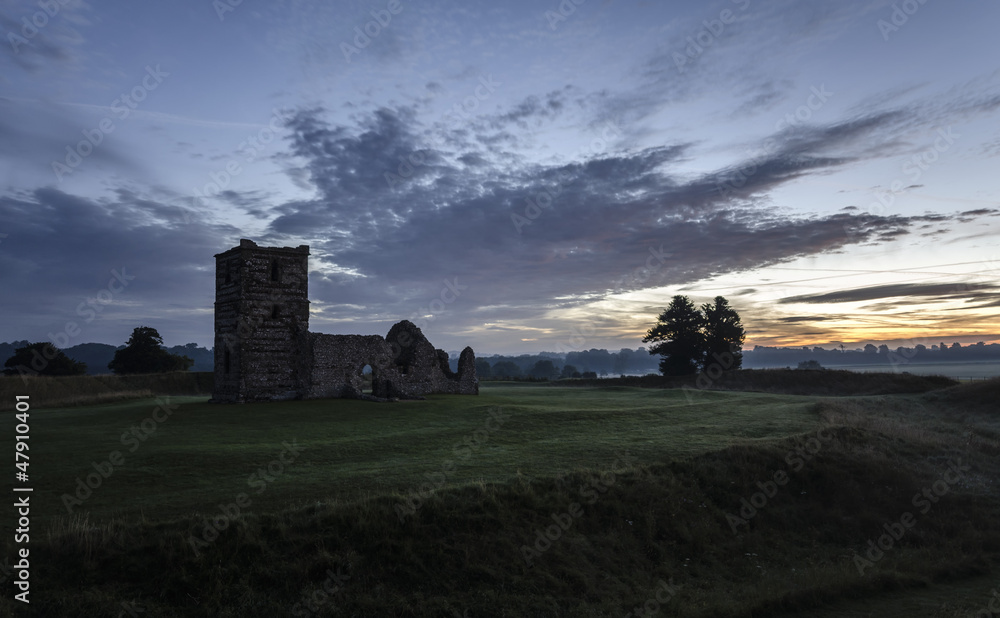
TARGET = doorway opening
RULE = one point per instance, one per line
(367, 379)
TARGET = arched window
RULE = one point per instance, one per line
(275, 311)
(225, 361)
(274, 270)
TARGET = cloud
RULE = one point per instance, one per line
(390, 245)
(531, 111)
(898, 290)
(805, 318)
(61, 250)
(33, 48)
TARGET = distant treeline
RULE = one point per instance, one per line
(604, 363)
(98, 355)
(762, 357)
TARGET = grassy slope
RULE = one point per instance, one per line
(203, 453)
(665, 518)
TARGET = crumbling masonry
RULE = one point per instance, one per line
(264, 350)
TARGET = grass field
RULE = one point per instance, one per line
(429, 506)
(202, 453)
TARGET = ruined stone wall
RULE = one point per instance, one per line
(413, 370)
(425, 370)
(337, 362)
(264, 350)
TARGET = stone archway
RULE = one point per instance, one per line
(368, 376)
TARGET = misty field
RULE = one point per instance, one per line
(441, 507)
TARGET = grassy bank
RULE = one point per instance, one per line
(663, 513)
(50, 392)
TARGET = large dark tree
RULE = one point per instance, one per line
(544, 370)
(483, 369)
(506, 369)
(724, 335)
(569, 371)
(143, 354)
(44, 359)
(678, 338)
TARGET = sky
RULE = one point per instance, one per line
(517, 176)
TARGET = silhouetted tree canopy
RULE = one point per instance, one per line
(44, 359)
(724, 335)
(483, 369)
(689, 340)
(143, 354)
(506, 369)
(544, 369)
(569, 371)
(678, 338)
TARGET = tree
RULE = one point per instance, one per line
(483, 369)
(506, 369)
(143, 354)
(724, 335)
(811, 365)
(569, 371)
(544, 370)
(44, 359)
(678, 338)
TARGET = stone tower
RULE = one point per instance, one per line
(261, 323)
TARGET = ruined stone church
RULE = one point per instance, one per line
(264, 350)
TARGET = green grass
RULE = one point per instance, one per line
(203, 453)
(663, 517)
